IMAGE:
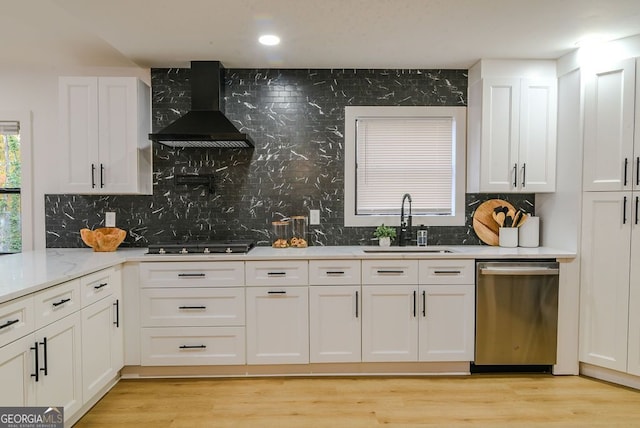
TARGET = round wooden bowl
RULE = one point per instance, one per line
(104, 239)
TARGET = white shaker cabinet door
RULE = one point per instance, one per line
(604, 294)
(633, 364)
(446, 322)
(277, 325)
(334, 323)
(608, 128)
(389, 323)
(17, 365)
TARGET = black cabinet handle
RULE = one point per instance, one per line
(447, 272)
(335, 272)
(414, 303)
(101, 176)
(193, 346)
(637, 209)
(357, 304)
(626, 167)
(12, 322)
(390, 272)
(524, 174)
(116, 304)
(624, 210)
(638, 171)
(93, 176)
(192, 307)
(37, 373)
(191, 275)
(61, 302)
(276, 274)
(44, 348)
(515, 175)
(424, 303)
(277, 292)
(101, 285)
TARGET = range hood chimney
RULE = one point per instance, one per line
(205, 125)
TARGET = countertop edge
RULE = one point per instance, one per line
(24, 274)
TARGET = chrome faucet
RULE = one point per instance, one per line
(405, 223)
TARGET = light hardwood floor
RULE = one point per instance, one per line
(478, 400)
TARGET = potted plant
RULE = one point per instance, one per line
(385, 235)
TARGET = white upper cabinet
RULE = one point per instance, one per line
(512, 127)
(104, 126)
(609, 161)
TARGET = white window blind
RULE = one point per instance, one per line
(9, 128)
(398, 155)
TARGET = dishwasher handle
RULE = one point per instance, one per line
(525, 270)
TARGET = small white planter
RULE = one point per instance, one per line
(384, 241)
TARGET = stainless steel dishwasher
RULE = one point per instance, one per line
(516, 312)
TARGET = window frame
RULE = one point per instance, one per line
(26, 185)
(352, 113)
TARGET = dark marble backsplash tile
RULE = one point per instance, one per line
(296, 119)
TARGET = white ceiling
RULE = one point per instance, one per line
(315, 33)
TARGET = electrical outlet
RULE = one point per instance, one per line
(109, 219)
(314, 216)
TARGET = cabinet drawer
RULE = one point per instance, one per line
(334, 272)
(96, 286)
(167, 307)
(185, 346)
(192, 274)
(57, 302)
(293, 272)
(16, 319)
(447, 272)
(390, 272)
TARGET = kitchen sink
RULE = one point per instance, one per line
(420, 250)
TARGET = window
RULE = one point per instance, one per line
(10, 184)
(390, 151)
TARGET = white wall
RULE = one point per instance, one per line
(36, 91)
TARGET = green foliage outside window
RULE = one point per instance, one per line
(10, 183)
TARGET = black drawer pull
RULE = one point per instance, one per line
(61, 302)
(192, 307)
(191, 275)
(276, 274)
(193, 346)
(9, 323)
(390, 272)
(101, 285)
(447, 272)
(335, 272)
(277, 292)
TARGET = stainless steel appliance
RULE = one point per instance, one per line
(516, 312)
(202, 247)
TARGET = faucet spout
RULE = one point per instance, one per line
(405, 222)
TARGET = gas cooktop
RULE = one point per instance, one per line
(202, 247)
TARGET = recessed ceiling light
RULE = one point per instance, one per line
(269, 40)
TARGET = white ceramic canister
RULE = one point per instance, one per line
(529, 232)
(508, 237)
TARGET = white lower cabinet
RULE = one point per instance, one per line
(335, 323)
(446, 326)
(192, 313)
(389, 323)
(17, 364)
(277, 325)
(60, 365)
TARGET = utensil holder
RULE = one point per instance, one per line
(529, 232)
(508, 237)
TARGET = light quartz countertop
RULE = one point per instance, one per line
(32, 271)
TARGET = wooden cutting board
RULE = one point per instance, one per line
(483, 223)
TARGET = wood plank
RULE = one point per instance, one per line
(478, 400)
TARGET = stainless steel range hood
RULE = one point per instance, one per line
(205, 125)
